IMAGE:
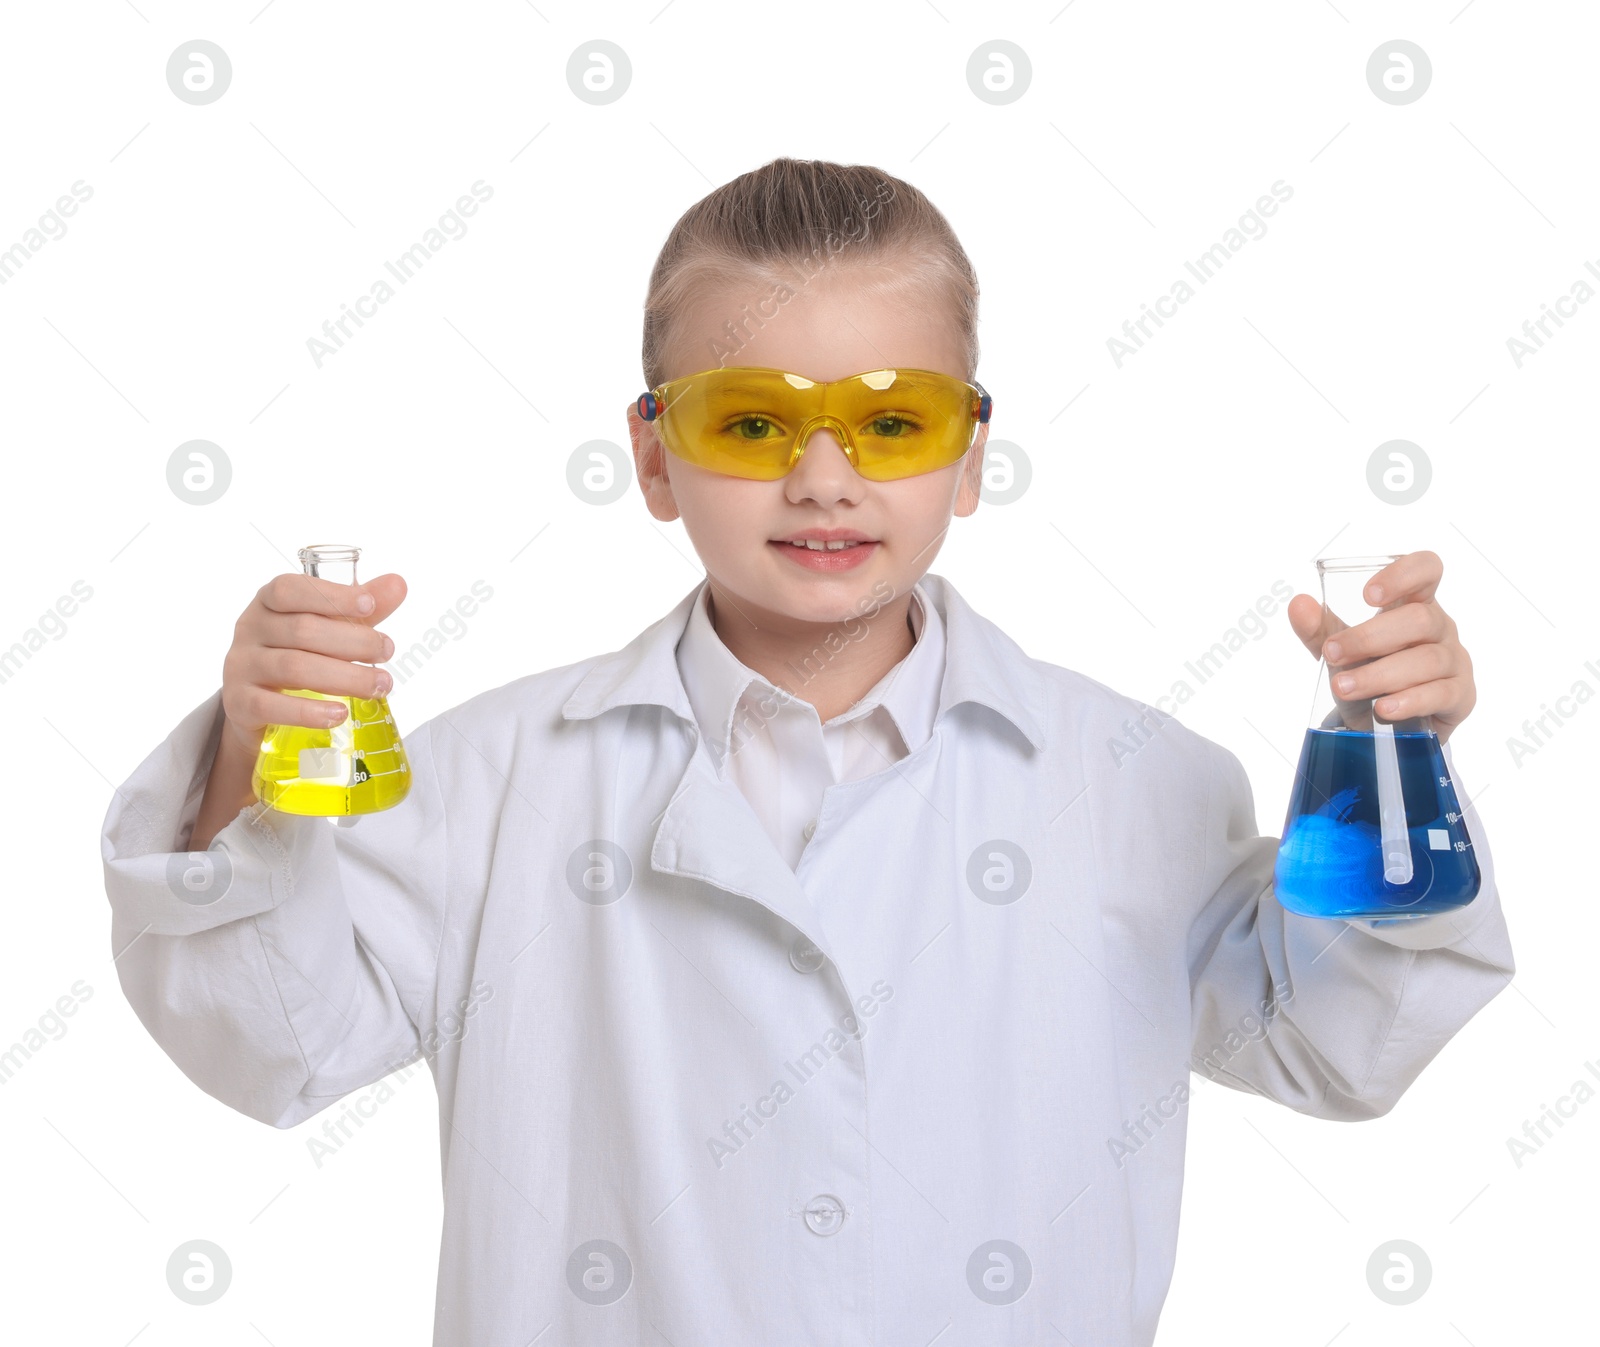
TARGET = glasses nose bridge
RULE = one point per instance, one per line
(823, 421)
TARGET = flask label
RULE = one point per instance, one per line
(322, 764)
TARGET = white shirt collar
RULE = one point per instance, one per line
(725, 692)
(982, 665)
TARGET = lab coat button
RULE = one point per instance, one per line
(824, 1214)
(810, 830)
(805, 956)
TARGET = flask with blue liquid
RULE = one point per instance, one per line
(1374, 827)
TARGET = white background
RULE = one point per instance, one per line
(1166, 499)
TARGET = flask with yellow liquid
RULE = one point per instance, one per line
(355, 767)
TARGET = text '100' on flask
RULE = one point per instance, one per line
(355, 767)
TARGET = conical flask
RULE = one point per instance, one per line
(355, 767)
(1374, 828)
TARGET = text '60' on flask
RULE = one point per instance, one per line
(355, 767)
(1374, 828)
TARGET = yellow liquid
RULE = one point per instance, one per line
(355, 767)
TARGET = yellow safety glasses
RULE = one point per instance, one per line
(754, 423)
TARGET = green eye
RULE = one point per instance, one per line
(753, 428)
(892, 427)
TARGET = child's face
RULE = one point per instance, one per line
(829, 330)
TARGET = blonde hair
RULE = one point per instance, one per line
(790, 220)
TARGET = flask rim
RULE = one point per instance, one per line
(329, 552)
(1372, 563)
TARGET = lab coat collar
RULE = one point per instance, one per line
(982, 664)
(718, 683)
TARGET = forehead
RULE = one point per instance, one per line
(830, 327)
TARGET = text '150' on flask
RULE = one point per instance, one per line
(1374, 828)
(355, 767)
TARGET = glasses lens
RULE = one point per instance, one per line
(905, 422)
(745, 422)
(736, 421)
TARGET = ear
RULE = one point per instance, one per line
(650, 466)
(967, 496)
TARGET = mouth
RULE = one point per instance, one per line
(827, 549)
(816, 545)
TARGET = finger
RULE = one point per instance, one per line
(1383, 633)
(1413, 576)
(1440, 698)
(1305, 618)
(266, 706)
(1313, 623)
(337, 638)
(276, 670)
(1395, 674)
(289, 593)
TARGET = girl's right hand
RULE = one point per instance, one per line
(301, 631)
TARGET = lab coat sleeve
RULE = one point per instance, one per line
(303, 967)
(1334, 1018)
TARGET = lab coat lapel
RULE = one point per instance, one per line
(708, 831)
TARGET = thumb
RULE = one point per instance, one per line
(388, 593)
(1312, 623)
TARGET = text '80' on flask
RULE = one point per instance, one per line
(355, 767)
(1374, 828)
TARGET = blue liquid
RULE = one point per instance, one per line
(1330, 861)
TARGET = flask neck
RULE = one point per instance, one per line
(331, 561)
(1344, 583)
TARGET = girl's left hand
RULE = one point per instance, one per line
(1419, 666)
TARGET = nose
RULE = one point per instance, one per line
(824, 471)
(823, 436)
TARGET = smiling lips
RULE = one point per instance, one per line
(827, 549)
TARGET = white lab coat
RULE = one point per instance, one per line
(774, 1148)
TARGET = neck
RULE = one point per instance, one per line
(832, 665)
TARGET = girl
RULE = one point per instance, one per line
(805, 971)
